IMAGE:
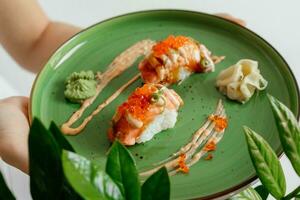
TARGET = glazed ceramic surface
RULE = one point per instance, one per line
(95, 47)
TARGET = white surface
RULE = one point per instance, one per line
(276, 21)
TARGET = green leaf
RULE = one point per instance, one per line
(5, 193)
(248, 194)
(121, 167)
(157, 186)
(262, 191)
(90, 182)
(60, 138)
(45, 171)
(295, 193)
(266, 164)
(67, 191)
(289, 130)
(47, 180)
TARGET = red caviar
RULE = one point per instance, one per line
(209, 157)
(182, 165)
(138, 102)
(221, 122)
(172, 42)
(210, 146)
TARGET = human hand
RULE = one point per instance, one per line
(14, 129)
(231, 18)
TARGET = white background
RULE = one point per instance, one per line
(276, 21)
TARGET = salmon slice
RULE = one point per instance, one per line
(174, 59)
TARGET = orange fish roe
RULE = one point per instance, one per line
(210, 146)
(172, 42)
(209, 157)
(182, 166)
(221, 123)
(138, 102)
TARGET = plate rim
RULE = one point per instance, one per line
(219, 195)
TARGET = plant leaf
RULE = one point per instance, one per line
(157, 186)
(295, 193)
(60, 138)
(247, 194)
(262, 191)
(68, 192)
(87, 180)
(266, 164)
(45, 171)
(289, 130)
(47, 180)
(5, 193)
(121, 167)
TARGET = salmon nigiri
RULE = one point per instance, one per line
(149, 110)
(176, 58)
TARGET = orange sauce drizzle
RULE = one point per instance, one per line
(118, 65)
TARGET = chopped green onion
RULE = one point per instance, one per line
(156, 96)
(205, 62)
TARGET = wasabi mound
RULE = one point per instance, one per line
(80, 86)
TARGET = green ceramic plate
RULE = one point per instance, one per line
(95, 47)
